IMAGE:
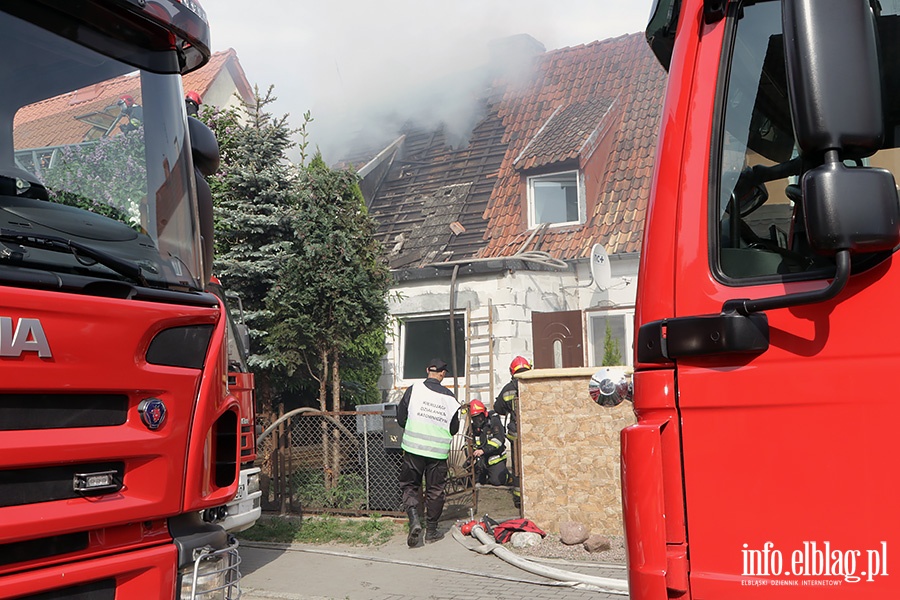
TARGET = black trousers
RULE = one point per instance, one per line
(496, 474)
(413, 469)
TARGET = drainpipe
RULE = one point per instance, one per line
(453, 331)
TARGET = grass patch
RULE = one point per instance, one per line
(325, 529)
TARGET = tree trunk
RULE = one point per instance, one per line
(335, 381)
(335, 407)
(323, 406)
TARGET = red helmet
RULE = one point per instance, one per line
(193, 97)
(519, 363)
(476, 407)
(127, 100)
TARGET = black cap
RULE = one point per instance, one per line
(436, 364)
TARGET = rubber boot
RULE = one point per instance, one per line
(415, 527)
(431, 533)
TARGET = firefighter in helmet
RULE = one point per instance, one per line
(506, 404)
(132, 112)
(192, 102)
(507, 399)
(489, 442)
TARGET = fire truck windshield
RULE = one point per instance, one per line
(95, 152)
(760, 209)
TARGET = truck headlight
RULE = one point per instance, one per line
(214, 574)
(252, 483)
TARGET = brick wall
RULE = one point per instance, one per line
(570, 451)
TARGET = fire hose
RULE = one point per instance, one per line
(578, 580)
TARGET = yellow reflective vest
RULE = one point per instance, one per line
(427, 430)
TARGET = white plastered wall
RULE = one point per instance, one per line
(513, 296)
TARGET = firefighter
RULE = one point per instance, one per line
(192, 102)
(489, 441)
(506, 404)
(133, 113)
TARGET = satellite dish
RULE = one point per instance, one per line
(600, 267)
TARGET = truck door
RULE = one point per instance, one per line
(789, 455)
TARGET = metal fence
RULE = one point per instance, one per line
(345, 463)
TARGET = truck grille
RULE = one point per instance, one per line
(20, 412)
(31, 486)
(96, 590)
(42, 548)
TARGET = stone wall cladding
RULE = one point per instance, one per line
(570, 452)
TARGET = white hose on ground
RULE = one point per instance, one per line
(605, 584)
(394, 561)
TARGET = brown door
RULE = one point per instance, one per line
(557, 339)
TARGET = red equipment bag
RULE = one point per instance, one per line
(504, 530)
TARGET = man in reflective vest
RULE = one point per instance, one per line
(429, 416)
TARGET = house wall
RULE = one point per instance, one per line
(222, 92)
(570, 451)
(512, 297)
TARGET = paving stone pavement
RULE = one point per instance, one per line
(444, 570)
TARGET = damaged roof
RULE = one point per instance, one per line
(436, 203)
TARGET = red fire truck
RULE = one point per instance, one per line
(117, 427)
(761, 463)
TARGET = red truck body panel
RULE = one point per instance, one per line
(754, 476)
(98, 347)
(147, 574)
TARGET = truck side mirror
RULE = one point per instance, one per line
(204, 147)
(832, 57)
(243, 332)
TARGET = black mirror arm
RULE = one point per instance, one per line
(841, 276)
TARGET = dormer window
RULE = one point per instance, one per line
(556, 199)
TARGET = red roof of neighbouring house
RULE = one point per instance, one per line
(592, 104)
(68, 118)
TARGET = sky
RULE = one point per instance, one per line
(339, 59)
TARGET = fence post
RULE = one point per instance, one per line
(282, 476)
(365, 422)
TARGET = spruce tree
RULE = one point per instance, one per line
(254, 194)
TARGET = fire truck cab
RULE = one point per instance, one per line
(761, 463)
(117, 427)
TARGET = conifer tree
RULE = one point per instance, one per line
(297, 245)
(254, 194)
(611, 354)
(330, 302)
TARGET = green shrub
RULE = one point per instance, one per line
(309, 488)
(323, 529)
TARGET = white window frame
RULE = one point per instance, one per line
(594, 315)
(400, 357)
(582, 210)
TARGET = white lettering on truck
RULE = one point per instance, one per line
(27, 336)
